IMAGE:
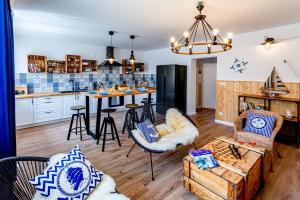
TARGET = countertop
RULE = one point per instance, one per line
(112, 94)
(44, 94)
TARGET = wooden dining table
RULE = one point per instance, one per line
(99, 97)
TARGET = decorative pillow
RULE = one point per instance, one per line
(148, 130)
(260, 124)
(72, 177)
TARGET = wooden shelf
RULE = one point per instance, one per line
(73, 63)
(89, 65)
(37, 63)
(128, 68)
(56, 66)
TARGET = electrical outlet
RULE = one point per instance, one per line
(221, 113)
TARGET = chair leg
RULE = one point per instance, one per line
(117, 135)
(70, 128)
(130, 150)
(124, 126)
(80, 129)
(100, 133)
(194, 145)
(104, 136)
(278, 153)
(152, 114)
(84, 119)
(112, 129)
(151, 166)
(76, 124)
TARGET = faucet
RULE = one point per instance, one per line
(73, 85)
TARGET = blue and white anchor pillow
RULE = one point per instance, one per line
(72, 177)
(260, 124)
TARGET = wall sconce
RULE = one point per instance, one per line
(268, 42)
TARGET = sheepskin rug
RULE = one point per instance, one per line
(177, 130)
(106, 190)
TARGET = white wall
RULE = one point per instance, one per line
(245, 46)
(57, 49)
(209, 71)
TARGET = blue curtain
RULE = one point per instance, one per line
(7, 83)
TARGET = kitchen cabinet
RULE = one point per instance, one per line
(67, 102)
(24, 110)
(46, 109)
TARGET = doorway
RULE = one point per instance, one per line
(206, 77)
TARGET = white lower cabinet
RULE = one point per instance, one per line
(67, 102)
(43, 109)
(46, 109)
(24, 112)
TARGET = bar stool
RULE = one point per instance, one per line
(147, 112)
(78, 118)
(131, 118)
(108, 121)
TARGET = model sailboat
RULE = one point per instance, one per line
(274, 86)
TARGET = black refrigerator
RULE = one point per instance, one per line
(170, 87)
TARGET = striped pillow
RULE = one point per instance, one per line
(260, 124)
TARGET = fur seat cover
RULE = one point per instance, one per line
(177, 130)
(106, 190)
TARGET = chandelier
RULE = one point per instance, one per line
(213, 43)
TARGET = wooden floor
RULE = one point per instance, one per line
(132, 174)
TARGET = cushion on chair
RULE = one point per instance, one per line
(106, 189)
(260, 124)
(148, 130)
(185, 133)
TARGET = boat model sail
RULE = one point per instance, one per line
(274, 86)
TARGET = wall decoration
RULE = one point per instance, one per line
(274, 86)
(239, 65)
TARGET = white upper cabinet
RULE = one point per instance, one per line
(24, 112)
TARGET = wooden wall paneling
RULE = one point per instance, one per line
(227, 98)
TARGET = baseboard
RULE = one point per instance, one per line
(191, 113)
(224, 122)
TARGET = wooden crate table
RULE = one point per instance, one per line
(231, 180)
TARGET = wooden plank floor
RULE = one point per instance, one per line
(132, 174)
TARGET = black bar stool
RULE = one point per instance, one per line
(77, 129)
(147, 112)
(132, 118)
(108, 121)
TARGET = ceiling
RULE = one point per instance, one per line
(154, 21)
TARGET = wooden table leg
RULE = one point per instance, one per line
(98, 121)
(87, 114)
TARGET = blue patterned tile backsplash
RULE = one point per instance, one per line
(42, 82)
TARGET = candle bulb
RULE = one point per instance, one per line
(209, 48)
(215, 33)
(229, 35)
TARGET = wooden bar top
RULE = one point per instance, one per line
(116, 93)
(271, 98)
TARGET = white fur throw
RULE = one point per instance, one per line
(180, 131)
(106, 190)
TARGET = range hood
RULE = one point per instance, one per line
(110, 55)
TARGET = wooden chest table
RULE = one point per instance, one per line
(231, 180)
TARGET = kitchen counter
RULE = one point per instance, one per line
(44, 94)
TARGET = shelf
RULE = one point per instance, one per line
(37, 63)
(73, 63)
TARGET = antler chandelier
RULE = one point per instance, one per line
(213, 42)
